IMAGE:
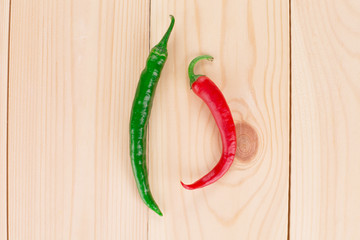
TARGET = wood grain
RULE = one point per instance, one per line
(250, 43)
(4, 37)
(73, 67)
(325, 186)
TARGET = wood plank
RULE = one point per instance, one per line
(325, 175)
(250, 43)
(4, 37)
(73, 66)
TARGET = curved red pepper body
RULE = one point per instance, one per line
(214, 99)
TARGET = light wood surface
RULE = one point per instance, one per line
(325, 156)
(4, 37)
(74, 66)
(250, 44)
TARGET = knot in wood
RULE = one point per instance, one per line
(247, 142)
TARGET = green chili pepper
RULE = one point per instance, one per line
(140, 114)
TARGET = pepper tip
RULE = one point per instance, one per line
(157, 210)
(159, 213)
(188, 187)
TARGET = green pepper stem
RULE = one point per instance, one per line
(163, 42)
(192, 75)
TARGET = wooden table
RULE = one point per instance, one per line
(290, 71)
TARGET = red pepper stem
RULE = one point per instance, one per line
(165, 38)
(192, 75)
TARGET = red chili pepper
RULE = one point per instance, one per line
(214, 99)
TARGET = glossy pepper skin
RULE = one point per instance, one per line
(140, 114)
(203, 87)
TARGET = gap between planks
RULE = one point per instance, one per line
(290, 125)
(7, 126)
